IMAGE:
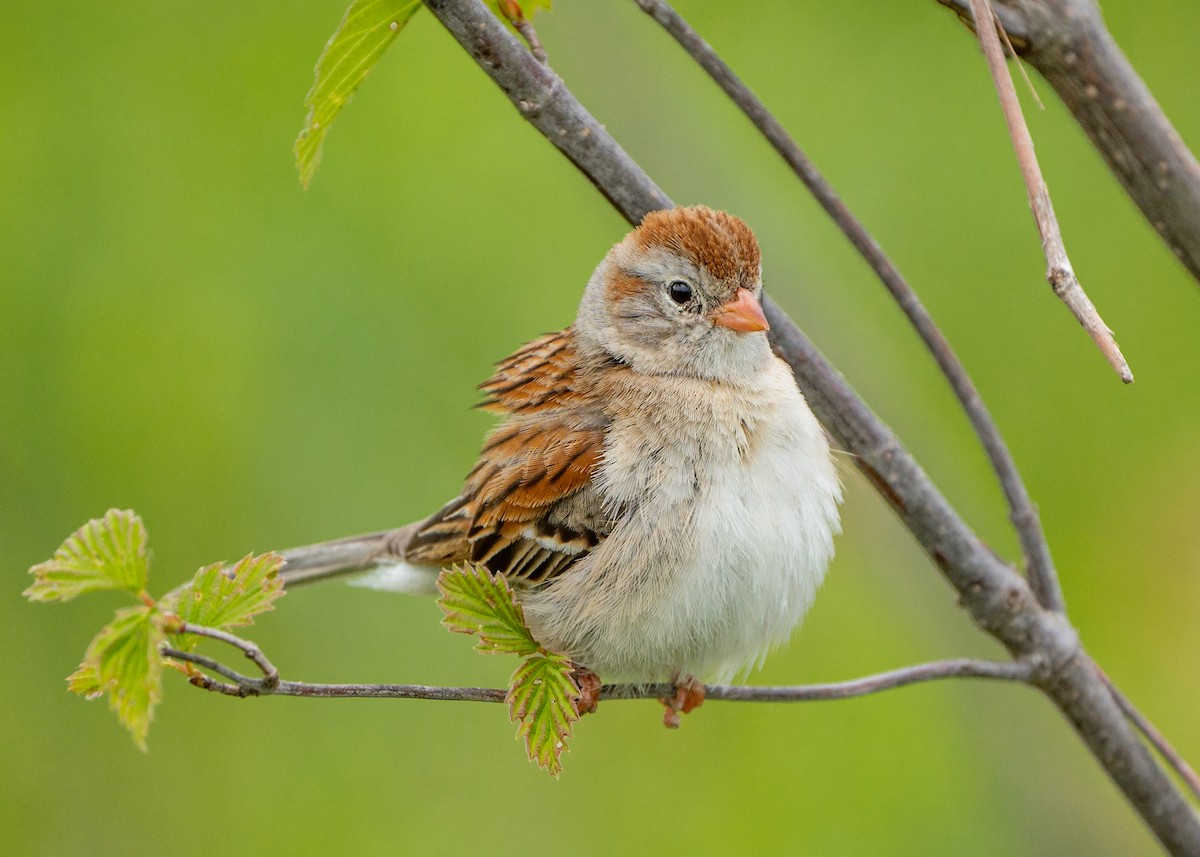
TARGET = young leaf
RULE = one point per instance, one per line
(478, 602)
(105, 553)
(220, 597)
(364, 34)
(544, 697)
(123, 661)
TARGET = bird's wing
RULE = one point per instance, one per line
(528, 509)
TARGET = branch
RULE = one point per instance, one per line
(511, 10)
(1022, 512)
(1067, 42)
(244, 685)
(254, 653)
(1157, 740)
(997, 598)
(1060, 274)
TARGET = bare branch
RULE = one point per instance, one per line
(251, 651)
(1067, 42)
(247, 686)
(250, 684)
(1157, 740)
(1060, 275)
(1023, 513)
(960, 668)
(997, 598)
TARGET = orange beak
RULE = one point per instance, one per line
(743, 313)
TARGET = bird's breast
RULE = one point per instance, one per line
(724, 505)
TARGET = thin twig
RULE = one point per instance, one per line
(247, 686)
(1060, 275)
(216, 666)
(1157, 740)
(1023, 513)
(1012, 52)
(1068, 43)
(511, 10)
(251, 651)
(960, 668)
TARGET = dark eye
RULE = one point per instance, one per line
(679, 291)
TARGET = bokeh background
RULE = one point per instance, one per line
(185, 332)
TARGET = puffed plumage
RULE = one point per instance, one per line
(659, 492)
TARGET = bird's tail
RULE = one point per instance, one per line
(374, 560)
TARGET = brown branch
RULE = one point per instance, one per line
(997, 598)
(1039, 564)
(1060, 275)
(1068, 43)
(243, 685)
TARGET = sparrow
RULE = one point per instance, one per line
(659, 493)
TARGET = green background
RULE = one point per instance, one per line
(183, 331)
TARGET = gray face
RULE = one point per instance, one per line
(654, 310)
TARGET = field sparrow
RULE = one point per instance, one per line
(659, 493)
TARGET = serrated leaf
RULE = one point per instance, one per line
(221, 597)
(105, 553)
(543, 697)
(367, 29)
(477, 602)
(123, 661)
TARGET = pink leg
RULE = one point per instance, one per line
(689, 695)
(589, 689)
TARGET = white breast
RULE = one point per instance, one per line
(726, 506)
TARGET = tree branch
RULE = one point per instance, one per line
(1061, 275)
(244, 685)
(1157, 740)
(1067, 42)
(1039, 564)
(254, 653)
(995, 595)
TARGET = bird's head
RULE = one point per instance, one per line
(680, 296)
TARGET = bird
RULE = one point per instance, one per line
(658, 493)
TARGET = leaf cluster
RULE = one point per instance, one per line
(124, 661)
(543, 696)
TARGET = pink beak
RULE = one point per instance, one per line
(743, 313)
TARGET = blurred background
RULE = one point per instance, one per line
(185, 332)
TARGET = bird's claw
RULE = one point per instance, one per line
(689, 695)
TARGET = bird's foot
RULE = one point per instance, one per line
(689, 695)
(589, 689)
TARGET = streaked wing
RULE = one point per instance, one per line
(528, 509)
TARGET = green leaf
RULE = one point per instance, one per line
(105, 553)
(544, 697)
(478, 602)
(220, 597)
(364, 34)
(123, 661)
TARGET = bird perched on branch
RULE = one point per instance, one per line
(659, 493)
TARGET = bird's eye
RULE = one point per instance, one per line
(679, 291)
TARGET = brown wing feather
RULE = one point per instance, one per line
(539, 376)
(528, 509)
